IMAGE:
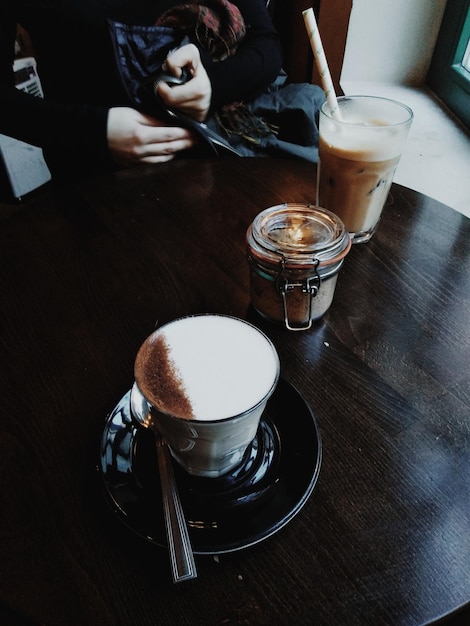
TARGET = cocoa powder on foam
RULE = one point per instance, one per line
(160, 381)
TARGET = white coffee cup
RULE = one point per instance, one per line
(207, 379)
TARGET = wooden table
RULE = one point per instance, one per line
(88, 271)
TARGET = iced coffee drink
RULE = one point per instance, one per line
(358, 155)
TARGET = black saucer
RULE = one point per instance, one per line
(247, 505)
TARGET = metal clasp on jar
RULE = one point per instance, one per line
(310, 286)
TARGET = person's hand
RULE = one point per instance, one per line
(194, 97)
(134, 138)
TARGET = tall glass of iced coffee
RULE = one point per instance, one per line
(358, 155)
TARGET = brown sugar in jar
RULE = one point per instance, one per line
(295, 252)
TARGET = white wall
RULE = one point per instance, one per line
(391, 41)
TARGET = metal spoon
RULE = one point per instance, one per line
(183, 566)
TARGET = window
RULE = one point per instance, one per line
(449, 74)
(466, 57)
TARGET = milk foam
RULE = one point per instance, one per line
(370, 129)
(226, 366)
(356, 143)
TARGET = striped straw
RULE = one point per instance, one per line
(320, 60)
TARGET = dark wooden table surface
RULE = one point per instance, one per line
(85, 275)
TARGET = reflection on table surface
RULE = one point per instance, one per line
(86, 274)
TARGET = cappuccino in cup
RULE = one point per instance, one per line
(207, 379)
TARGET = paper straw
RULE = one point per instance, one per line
(320, 60)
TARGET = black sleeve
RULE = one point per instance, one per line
(255, 65)
(60, 128)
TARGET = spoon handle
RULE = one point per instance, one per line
(183, 566)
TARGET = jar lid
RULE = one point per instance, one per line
(302, 235)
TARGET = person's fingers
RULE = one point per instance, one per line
(192, 98)
(163, 149)
(187, 56)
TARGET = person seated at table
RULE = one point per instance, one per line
(94, 60)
